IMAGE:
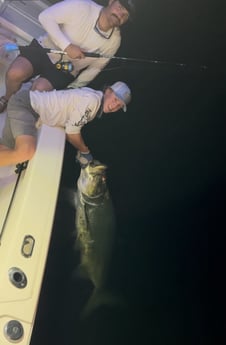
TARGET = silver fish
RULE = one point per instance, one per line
(95, 225)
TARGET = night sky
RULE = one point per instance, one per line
(167, 179)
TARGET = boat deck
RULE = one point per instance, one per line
(22, 17)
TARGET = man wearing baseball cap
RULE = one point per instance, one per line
(70, 109)
(122, 92)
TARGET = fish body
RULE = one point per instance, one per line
(95, 224)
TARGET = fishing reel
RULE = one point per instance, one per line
(64, 66)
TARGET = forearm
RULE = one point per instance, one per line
(88, 75)
(7, 156)
(51, 18)
(24, 150)
(77, 141)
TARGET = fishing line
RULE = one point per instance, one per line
(12, 47)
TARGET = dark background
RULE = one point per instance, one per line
(167, 179)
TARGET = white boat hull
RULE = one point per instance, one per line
(26, 235)
(27, 202)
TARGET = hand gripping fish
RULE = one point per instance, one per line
(95, 225)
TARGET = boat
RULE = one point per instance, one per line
(28, 196)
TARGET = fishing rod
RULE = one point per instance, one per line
(12, 47)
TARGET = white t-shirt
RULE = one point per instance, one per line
(70, 109)
(74, 21)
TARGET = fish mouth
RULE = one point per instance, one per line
(97, 164)
(92, 180)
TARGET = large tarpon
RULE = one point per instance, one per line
(95, 225)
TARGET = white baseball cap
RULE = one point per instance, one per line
(122, 92)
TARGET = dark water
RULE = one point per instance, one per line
(167, 179)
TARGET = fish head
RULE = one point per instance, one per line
(92, 180)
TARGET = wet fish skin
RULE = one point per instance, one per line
(95, 224)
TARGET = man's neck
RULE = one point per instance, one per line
(102, 21)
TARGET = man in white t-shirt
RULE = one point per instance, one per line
(75, 27)
(70, 109)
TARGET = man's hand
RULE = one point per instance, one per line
(74, 52)
(84, 158)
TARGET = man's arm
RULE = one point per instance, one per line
(86, 76)
(77, 141)
(52, 18)
(95, 66)
(83, 157)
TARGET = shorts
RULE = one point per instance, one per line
(20, 120)
(43, 66)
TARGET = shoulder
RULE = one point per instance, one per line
(90, 100)
(73, 7)
(116, 36)
(85, 5)
(91, 93)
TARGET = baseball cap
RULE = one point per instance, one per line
(129, 5)
(122, 91)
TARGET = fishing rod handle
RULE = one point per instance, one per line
(96, 55)
(87, 54)
(13, 46)
(9, 47)
(50, 50)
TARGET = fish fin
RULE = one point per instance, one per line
(101, 298)
(80, 274)
(76, 199)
